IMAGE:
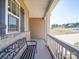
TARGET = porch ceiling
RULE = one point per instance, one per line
(37, 8)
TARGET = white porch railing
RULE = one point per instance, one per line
(60, 49)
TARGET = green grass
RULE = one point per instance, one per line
(61, 31)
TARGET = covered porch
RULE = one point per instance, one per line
(35, 27)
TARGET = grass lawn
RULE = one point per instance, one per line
(61, 31)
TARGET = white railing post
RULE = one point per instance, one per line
(62, 50)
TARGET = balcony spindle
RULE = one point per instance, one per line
(70, 55)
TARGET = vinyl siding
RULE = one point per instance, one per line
(2, 17)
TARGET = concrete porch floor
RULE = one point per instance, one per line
(42, 51)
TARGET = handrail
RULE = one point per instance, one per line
(65, 45)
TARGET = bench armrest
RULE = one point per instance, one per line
(31, 42)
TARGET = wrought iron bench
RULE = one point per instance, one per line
(29, 52)
(12, 50)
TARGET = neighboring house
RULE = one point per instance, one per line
(69, 25)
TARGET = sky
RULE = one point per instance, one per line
(66, 11)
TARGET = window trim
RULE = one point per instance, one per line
(6, 17)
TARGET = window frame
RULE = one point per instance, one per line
(10, 13)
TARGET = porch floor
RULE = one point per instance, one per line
(42, 51)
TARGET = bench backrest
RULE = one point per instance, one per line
(11, 51)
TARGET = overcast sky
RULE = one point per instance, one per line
(66, 11)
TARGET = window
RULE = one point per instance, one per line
(13, 7)
(13, 16)
(13, 23)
